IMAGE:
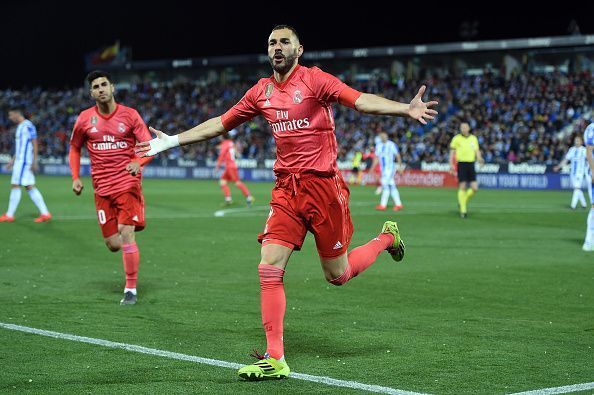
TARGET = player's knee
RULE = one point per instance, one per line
(271, 259)
(222, 183)
(112, 245)
(274, 257)
(335, 278)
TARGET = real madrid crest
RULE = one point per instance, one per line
(121, 127)
(268, 93)
(297, 97)
(94, 120)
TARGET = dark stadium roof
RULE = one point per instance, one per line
(44, 43)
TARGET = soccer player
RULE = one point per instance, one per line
(464, 148)
(589, 140)
(309, 193)
(386, 151)
(24, 165)
(577, 157)
(356, 174)
(110, 130)
(227, 158)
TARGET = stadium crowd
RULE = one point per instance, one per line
(527, 118)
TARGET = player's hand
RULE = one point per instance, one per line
(133, 168)
(481, 161)
(77, 186)
(556, 168)
(34, 167)
(9, 165)
(452, 171)
(419, 110)
(159, 144)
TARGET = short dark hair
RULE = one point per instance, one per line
(18, 109)
(93, 75)
(291, 28)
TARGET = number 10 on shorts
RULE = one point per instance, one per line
(101, 216)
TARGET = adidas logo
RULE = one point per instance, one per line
(337, 245)
(135, 218)
(94, 130)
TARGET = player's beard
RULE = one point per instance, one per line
(284, 67)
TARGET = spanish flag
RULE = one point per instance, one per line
(103, 56)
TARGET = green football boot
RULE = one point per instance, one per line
(267, 368)
(397, 248)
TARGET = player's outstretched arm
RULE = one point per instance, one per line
(205, 131)
(416, 109)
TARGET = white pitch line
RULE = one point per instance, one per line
(559, 390)
(206, 361)
(222, 213)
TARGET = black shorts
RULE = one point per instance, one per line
(466, 172)
(355, 170)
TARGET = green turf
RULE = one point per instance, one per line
(498, 303)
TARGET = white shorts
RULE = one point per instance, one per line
(22, 174)
(577, 182)
(387, 178)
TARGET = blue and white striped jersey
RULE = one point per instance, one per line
(23, 146)
(577, 158)
(386, 154)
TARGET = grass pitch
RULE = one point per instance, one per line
(497, 303)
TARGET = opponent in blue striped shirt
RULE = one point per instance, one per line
(589, 140)
(386, 152)
(24, 164)
(576, 156)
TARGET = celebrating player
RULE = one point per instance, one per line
(110, 131)
(227, 158)
(309, 193)
(386, 151)
(24, 165)
(464, 148)
(577, 157)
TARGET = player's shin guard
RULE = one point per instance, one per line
(395, 195)
(363, 256)
(226, 191)
(582, 198)
(243, 188)
(385, 195)
(13, 201)
(462, 200)
(37, 198)
(469, 193)
(273, 304)
(131, 258)
(578, 196)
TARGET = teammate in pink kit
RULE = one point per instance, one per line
(110, 131)
(309, 193)
(227, 159)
